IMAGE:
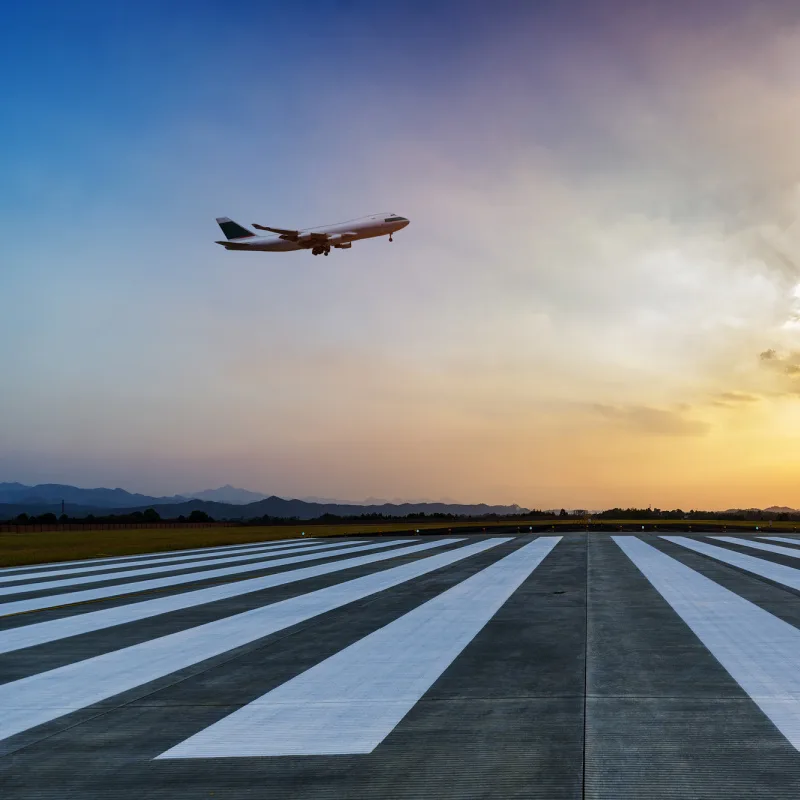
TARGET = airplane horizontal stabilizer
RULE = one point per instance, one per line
(228, 245)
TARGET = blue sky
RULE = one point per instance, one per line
(583, 276)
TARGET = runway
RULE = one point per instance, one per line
(460, 666)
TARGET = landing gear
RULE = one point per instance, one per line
(321, 249)
(390, 238)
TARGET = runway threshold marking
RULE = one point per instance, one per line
(133, 572)
(759, 650)
(787, 576)
(349, 703)
(44, 579)
(767, 548)
(53, 630)
(118, 589)
(144, 557)
(784, 539)
(41, 698)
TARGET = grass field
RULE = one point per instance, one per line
(20, 549)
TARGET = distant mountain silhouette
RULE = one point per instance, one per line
(770, 510)
(34, 500)
(376, 501)
(228, 494)
(227, 502)
(278, 507)
(54, 493)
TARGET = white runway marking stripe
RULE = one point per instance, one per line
(767, 548)
(197, 569)
(54, 629)
(144, 557)
(198, 559)
(103, 592)
(784, 539)
(788, 576)
(37, 699)
(349, 703)
(760, 651)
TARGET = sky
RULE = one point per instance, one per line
(596, 304)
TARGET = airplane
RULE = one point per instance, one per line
(317, 240)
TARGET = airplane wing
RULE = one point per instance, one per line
(282, 231)
(311, 237)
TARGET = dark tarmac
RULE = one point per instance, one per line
(590, 680)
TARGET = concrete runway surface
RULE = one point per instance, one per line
(571, 666)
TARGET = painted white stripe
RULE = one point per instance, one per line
(349, 703)
(787, 576)
(54, 629)
(768, 548)
(41, 698)
(760, 651)
(784, 539)
(47, 586)
(146, 556)
(103, 592)
(197, 559)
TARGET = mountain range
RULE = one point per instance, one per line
(769, 510)
(230, 502)
(50, 493)
(227, 502)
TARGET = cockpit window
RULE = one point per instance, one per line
(395, 219)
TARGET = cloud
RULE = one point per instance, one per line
(657, 236)
(655, 421)
(781, 372)
(786, 362)
(738, 397)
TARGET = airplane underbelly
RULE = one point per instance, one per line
(371, 233)
(280, 246)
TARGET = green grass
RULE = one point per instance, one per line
(21, 549)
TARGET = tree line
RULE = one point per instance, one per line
(148, 515)
(151, 515)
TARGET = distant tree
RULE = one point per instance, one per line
(563, 513)
(151, 515)
(199, 516)
(23, 517)
(48, 518)
(63, 518)
(181, 518)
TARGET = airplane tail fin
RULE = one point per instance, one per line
(233, 230)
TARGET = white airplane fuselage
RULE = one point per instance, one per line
(319, 240)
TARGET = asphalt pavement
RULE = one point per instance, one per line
(461, 666)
